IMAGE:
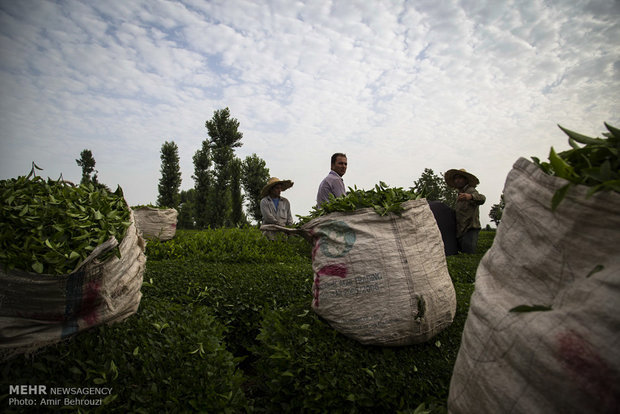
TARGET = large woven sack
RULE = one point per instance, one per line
(156, 223)
(39, 309)
(382, 280)
(564, 360)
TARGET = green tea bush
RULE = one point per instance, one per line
(166, 358)
(303, 365)
(237, 293)
(213, 336)
(229, 245)
(462, 267)
(485, 240)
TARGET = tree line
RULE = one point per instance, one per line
(223, 182)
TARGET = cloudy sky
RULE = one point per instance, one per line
(399, 86)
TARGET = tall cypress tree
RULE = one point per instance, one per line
(186, 216)
(87, 162)
(170, 181)
(203, 179)
(254, 177)
(224, 134)
(236, 196)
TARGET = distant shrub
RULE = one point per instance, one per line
(485, 240)
(229, 245)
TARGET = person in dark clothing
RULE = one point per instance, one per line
(446, 221)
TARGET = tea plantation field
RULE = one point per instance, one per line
(225, 326)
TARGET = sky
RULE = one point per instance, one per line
(399, 86)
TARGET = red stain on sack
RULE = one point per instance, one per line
(333, 270)
(588, 370)
(316, 243)
(91, 300)
(338, 270)
(316, 288)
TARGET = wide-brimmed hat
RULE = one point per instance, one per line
(471, 179)
(286, 184)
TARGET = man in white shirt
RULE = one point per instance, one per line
(333, 183)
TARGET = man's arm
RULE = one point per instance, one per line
(477, 197)
(324, 191)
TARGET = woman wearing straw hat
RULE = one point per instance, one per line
(273, 208)
(467, 208)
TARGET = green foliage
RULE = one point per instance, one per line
(382, 199)
(462, 267)
(485, 241)
(528, 308)
(224, 133)
(87, 162)
(237, 218)
(228, 245)
(497, 210)
(595, 164)
(203, 182)
(304, 366)
(170, 181)
(166, 358)
(51, 226)
(237, 335)
(236, 293)
(254, 178)
(434, 188)
(187, 207)
(219, 177)
(225, 136)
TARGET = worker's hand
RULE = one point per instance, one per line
(465, 196)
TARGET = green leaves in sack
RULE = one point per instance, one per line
(593, 162)
(382, 199)
(51, 226)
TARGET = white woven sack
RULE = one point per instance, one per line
(564, 360)
(40, 309)
(382, 280)
(156, 223)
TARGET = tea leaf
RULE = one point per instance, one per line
(45, 224)
(558, 196)
(527, 308)
(596, 164)
(382, 199)
(596, 269)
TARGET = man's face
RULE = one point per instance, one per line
(340, 166)
(275, 190)
(460, 181)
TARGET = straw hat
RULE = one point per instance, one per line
(471, 179)
(286, 184)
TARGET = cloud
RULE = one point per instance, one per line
(398, 86)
